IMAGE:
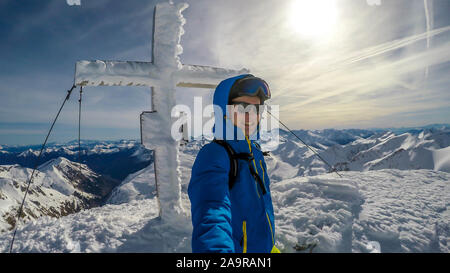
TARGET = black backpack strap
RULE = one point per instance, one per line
(233, 162)
(244, 156)
(257, 178)
(234, 157)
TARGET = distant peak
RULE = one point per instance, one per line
(59, 161)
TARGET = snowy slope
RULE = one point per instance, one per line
(137, 186)
(101, 229)
(141, 185)
(58, 189)
(441, 158)
(404, 211)
(40, 200)
(385, 150)
(398, 197)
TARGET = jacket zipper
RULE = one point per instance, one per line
(267, 215)
(255, 173)
(244, 236)
(271, 230)
(262, 168)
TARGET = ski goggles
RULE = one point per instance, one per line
(243, 107)
(252, 86)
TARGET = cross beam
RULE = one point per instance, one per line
(131, 73)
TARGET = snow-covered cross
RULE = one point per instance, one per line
(163, 74)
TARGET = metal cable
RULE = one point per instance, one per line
(19, 213)
(331, 167)
(79, 129)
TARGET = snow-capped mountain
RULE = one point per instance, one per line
(77, 186)
(406, 152)
(427, 149)
(365, 150)
(394, 192)
(116, 159)
(59, 187)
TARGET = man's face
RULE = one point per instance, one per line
(249, 120)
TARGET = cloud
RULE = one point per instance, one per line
(372, 68)
(21, 132)
(35, 83)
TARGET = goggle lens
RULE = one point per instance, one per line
(252, 85)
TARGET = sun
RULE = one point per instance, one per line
(313, 18)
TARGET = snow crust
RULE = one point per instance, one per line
(403, 211)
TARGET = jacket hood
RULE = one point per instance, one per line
(223, 127)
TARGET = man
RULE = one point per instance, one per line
(239, 218)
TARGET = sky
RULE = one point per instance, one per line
(329, 63)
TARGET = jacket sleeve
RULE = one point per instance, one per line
(210, 201)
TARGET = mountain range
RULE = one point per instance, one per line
(411, 159)
(60, 185)
(115, 159)
(361, 150)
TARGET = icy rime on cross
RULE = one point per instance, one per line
(163, 74)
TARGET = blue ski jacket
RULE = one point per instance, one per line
(237, 220)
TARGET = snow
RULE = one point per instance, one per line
(96, 230)
(55, 190)
(123, 225)
(103, 149)
(388, 208)
(379, 151)
(54, 177)
(142, 154)
(137, 186)
(28, 152)
(403, 211)
(441, 158)
(41, 200)
(205, 74)
(114, 73)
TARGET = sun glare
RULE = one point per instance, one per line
(313, 18)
